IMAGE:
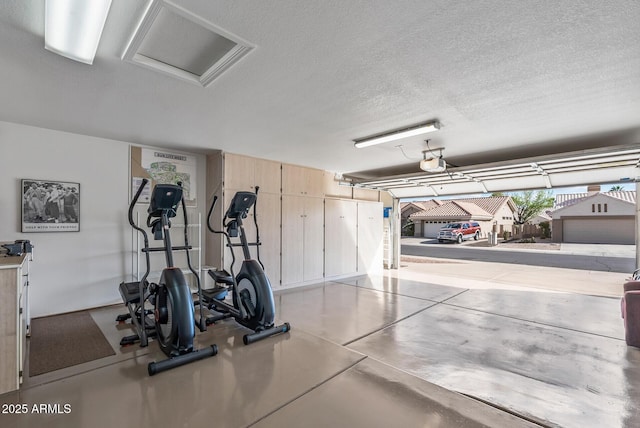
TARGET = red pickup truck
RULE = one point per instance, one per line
(459, 232)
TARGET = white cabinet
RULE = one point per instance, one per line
(370, 242)
(12, 321)
(340, 237)
(302, 239)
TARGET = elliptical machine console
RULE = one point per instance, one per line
(252, 298)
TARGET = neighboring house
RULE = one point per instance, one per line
(595, 218)
(408, 208)
(541, 218)
(488, 211)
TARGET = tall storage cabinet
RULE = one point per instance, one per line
(370, 234)
(340, 237)
(302, 239)
(311, 227)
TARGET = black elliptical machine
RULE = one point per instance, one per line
(172, 321)
(251, 295)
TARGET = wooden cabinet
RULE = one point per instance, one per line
(370, 242)
(302, 239)
(305, 236)
(245, 173)
(12, 321)
(340, 237)
(298, 180)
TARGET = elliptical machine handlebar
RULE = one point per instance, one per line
(213, 204)
(220, 232)
(134, 201)
(255, 220)
(133, 224)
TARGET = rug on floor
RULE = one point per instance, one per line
(65, 340)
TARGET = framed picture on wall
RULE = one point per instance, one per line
(50, 206)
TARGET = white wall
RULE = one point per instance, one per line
(73, 270)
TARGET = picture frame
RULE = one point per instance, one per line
(49, 206)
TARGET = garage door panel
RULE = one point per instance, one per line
(599, 231)
(431, 229)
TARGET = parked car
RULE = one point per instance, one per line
(459, 232)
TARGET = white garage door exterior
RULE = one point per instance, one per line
(431, 228)
(599, 231)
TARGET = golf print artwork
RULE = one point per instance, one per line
(50, 206)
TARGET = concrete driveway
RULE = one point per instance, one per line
(482, 274)
(592, 257)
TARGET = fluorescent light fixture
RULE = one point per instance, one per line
(397, 134)
(73, 27)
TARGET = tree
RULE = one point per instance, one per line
(497, 194)
(529, 204)
(616, 189)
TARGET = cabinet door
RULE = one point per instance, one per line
(239, 172)
(292, 239)
(340, 237)
(314, 182)
(298, 180)
(293, 180)
(10, 347)
(370, 244)
(268, 176)
(22, 334)
(313, 261)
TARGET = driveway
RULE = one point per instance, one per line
(591, 257)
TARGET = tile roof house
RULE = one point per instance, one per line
(487, 211)
(408, 208)
(595, 218)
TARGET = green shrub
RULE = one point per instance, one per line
(546, 229)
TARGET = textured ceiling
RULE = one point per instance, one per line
(507, 80)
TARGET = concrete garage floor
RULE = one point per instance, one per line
(373, 351)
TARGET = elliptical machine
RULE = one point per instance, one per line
(173, 321)
(252, 298)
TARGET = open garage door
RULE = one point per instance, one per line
(599, 231)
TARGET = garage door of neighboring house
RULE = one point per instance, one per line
(431, 228)
(599, 231)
